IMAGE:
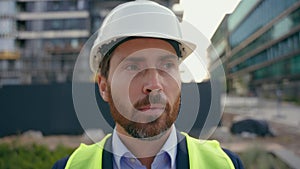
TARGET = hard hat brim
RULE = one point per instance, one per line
(96, 55)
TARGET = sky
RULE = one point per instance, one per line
(205, 16)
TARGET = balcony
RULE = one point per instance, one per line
(53, 34)
(52, 15)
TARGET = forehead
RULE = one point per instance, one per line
(138, 44)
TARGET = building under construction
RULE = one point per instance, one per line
(41, 39)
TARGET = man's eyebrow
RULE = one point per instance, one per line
(170, 56)
(141, 59)
(134, 59)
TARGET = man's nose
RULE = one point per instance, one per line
(152, 81)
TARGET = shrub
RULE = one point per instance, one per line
(32, 156)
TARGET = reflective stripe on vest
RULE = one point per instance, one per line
(202, 154)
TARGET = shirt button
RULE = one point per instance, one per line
(132, 160)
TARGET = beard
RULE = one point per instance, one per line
(155, 127)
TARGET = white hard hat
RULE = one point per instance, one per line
(138, 18)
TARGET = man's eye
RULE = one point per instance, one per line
(132, 67)
(168, 65)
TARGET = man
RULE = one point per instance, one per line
(136, 57)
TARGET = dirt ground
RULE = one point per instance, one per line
(286, 137)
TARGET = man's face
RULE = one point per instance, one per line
(143, 87)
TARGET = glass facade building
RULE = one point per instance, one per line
(264, 12)
(264, 48)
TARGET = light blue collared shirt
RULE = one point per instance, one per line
(124, 159)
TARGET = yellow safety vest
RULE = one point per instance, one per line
(202, 154)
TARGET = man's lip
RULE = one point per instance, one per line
(151, 107)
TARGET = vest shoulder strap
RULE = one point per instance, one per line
(207, 154)
(87, 156)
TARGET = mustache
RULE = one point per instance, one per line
(151, 99)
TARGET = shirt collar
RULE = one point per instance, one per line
(120, 150)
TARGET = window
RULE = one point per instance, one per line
(80, 4)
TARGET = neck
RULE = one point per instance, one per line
(147, 161)
(144, 150)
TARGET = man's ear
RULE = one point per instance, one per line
(103, 88)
